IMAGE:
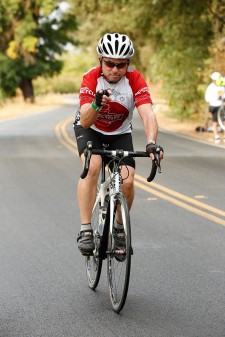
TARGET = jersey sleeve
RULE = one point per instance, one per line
(88, 86)
(140, 89)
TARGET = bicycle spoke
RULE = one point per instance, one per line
(119, 260)
(94, 262)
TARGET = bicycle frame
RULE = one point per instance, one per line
(108, 186)
(106, 213)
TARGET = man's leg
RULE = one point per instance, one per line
(127, 188)
(128, 184)
(215, 132)
(86, 194)
(87, 188)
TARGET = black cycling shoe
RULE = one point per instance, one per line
(119, 246)
(85, 242)
(119, 239)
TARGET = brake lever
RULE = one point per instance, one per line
(157, 159)
(87, 154)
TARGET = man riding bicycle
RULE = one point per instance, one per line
(108, 95)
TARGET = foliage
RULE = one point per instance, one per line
(75, 64)
(32, 34)
(180, 49)
(176, 42)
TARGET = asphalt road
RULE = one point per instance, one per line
(177, 285)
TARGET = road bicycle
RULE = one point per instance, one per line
(221, 115)
(110, 204)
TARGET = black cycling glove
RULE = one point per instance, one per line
(99, 95)
(152, 148)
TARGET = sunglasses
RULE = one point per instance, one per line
(111, 65)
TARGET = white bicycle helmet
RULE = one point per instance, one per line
(214, 76)
(117, 46)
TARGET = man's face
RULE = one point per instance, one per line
(114, 69)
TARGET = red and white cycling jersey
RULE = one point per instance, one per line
(130, 91)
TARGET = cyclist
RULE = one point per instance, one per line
(108, 95)
(213, 96)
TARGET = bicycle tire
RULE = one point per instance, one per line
(93, 262)
(221, 117)
(118, 266)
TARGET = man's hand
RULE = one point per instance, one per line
(102, 97)
(155, 151)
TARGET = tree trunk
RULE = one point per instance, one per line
(27, 90)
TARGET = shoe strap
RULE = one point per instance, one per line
(86, 232)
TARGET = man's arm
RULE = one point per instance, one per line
(88, 115)
(89, 111)
(149, 121)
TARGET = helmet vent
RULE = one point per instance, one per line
(122, 49)
(128, 51)
(116, 46)
(105, 50)
(110, 48)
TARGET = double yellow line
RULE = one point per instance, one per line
(63, 136)
(211, 213)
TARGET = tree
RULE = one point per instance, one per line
(181, 39)
(171, 39)
(33, 33)
(217, 46)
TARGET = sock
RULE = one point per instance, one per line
(85, 226)
(118, 225)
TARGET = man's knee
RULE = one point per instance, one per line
(94, 168)
(128, 179)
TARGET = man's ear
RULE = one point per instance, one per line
(100, 61)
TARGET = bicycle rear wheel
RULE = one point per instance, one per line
(119, 262)
(93, 262)
(221, 117)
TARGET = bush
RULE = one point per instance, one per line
(59, 85)
(64, 87)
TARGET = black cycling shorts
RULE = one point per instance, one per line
(122, 141)
(214, 112)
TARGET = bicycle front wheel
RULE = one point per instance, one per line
(221, 117)
(119, 261)
(93, 262)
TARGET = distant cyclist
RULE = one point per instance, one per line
(213, 96)
(108, 95)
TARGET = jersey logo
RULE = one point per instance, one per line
(142, 90)
(108, 119)
(86, 90)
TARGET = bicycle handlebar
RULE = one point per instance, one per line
(121, 153)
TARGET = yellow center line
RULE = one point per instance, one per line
(183, 197)
(167, 194)
(180, 203)
(64, 139)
